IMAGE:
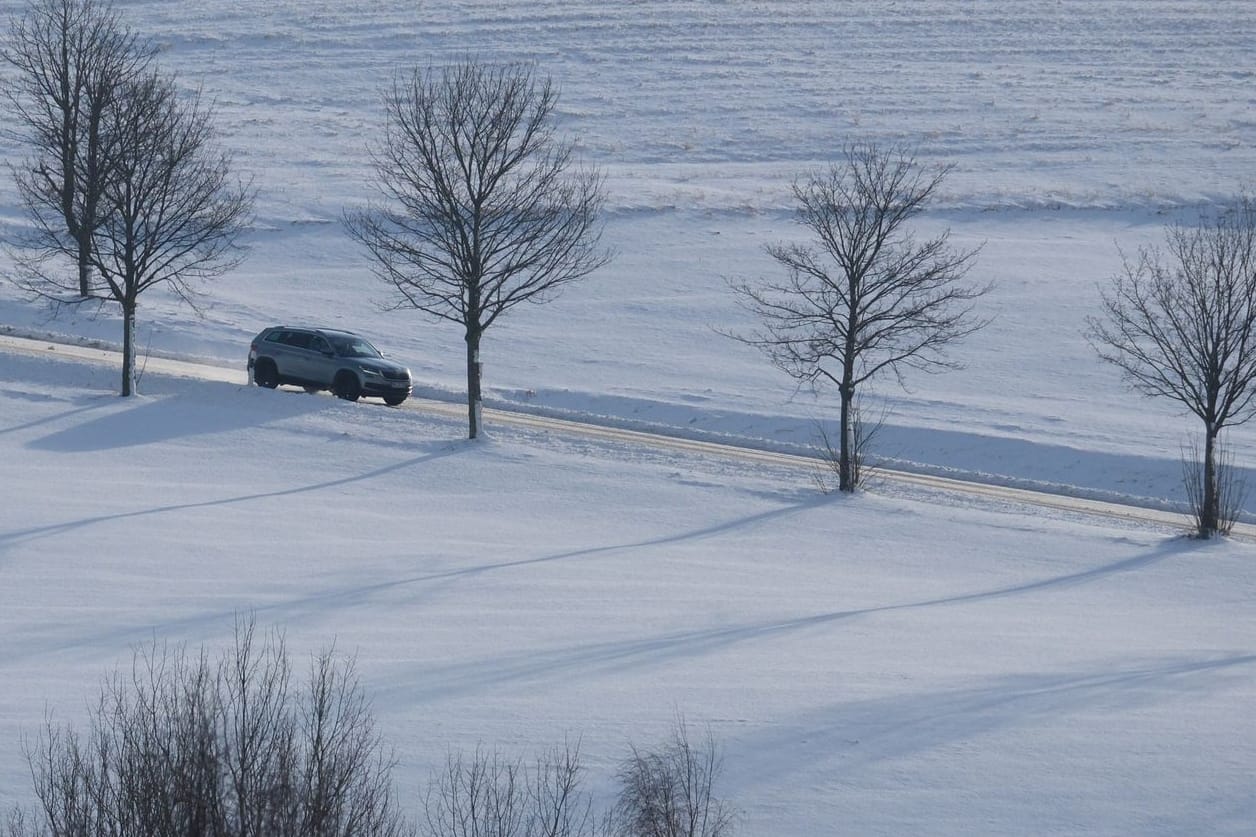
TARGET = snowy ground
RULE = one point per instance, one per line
(894, 664)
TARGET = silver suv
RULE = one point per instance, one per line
(325, 358)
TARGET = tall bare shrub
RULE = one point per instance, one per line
(1230, 487)
(670, 791)
(184, 744)
(487, 795)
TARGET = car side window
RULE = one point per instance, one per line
(296, 339)
(318, 344)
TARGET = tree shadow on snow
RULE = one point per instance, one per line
(85, 406)
(850, 737)
(173, 413)
(608, 658)
(23, 535)
(341, 597)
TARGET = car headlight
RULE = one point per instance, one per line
(372, 373)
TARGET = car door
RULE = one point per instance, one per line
(300, 361)
(320, 360)
(278, 346)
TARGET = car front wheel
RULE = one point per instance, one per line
(346, 386)
(394, 400)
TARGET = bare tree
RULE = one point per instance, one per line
(484, 207)
(173, 211)
(1180, 323)
(69, 58)
(870, 298)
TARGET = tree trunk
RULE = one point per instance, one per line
(1210, 514)
(846, 469)
(474, 399)
(84, 273)
(845, 473)
(85, 268)
(128, 349)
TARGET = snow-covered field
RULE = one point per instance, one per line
(896, 663)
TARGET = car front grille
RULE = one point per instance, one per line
(393, 375)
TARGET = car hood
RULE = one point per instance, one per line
(382, 365)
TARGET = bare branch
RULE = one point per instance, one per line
(121, 180)
(70, 58)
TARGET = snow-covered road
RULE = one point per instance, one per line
(588, 426)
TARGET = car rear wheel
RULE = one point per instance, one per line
(346, 386)
(266, 374)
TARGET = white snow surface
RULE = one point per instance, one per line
(897, 662)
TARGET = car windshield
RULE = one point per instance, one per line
(354, 347)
